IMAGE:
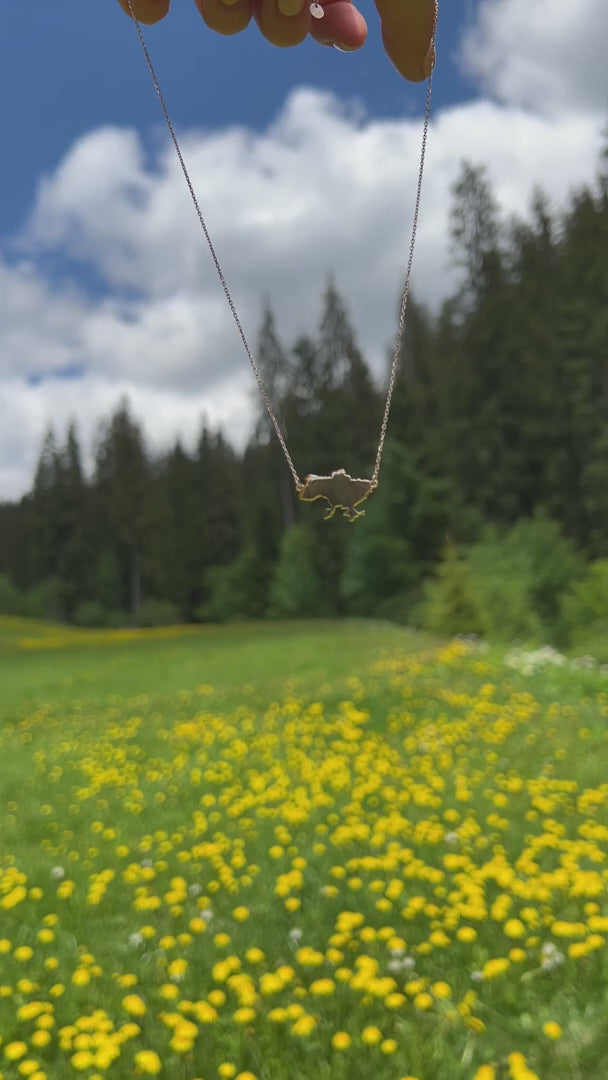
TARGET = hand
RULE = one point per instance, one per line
(407, 25)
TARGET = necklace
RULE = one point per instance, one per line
(338, 490)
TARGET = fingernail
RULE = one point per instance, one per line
(290, 7)
(344, 48)
(229, 3)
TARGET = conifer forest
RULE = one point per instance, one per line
(495, 469)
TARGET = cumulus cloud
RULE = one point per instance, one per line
(138, 309)
(549, 55)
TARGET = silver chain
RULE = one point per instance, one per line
(222, 278)
(410, 262)
(216, 261)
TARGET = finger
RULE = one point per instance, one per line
(226, 16)
(341, 25)
(407, 33)
(283, 22)
(147, 11)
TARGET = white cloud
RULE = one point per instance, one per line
(27, 410)
(321, 190)
(546, 55)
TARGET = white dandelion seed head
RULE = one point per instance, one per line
(57, 873)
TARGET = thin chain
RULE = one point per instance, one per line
(220, 273)
(216, 262)
(410, 262)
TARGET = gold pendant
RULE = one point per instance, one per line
(340, 491)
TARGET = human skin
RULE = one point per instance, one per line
(407, 25)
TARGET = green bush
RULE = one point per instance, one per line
(296, 590)
(507, 586)
(520, 577)
(239, 590)
(46, 600)
(90, 613)
(451, 605)
(159, 613)
(10, 599)
(584, 611)
(378, 572)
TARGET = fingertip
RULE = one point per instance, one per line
(146, 11)
(342, 25)
(279, 29)
(226, 16)
(407, 32)
(290, 7)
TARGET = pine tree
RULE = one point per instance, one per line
(123, 481)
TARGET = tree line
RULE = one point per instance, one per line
(499, 415)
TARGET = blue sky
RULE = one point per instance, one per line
(305, 163)
(67, 66)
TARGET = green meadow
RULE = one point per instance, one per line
(290, 851)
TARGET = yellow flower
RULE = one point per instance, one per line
(552, 1030)
(466, 934)
(371, 1036)
(226, 1070)
(309, 957)
(485, 1072)
(82, 1059)
(147, 1062)
(177, 969)
(517, 956)
(40, 1038)
(495, 967)
(241, 913)
(514, 928)
(388, 1046)
(423, 1001)
(441, 989)
(322, 987)
(23, 953)
(246, 1076)
(27, 1067)
(134, 1005)
(244, 1016)
(341, 1040)
(15, 1050)
(304, 1025)
(254, 956)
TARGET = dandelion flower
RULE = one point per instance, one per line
(552, 1030)
(341, 1040)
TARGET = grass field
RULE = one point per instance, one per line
(299, 852)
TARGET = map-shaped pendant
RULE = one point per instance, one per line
(340, 491)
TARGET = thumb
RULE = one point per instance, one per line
(147, 11)
(407, 32)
